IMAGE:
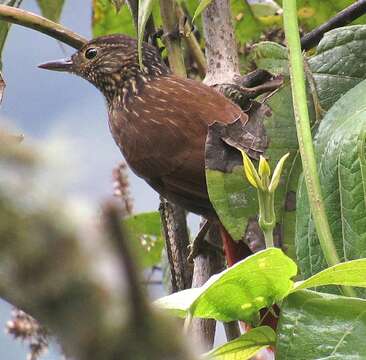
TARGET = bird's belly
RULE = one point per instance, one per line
(176, 171)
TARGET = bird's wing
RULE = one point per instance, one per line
(164, 137)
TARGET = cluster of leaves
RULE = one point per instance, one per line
(264, 279)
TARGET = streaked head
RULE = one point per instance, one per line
(111, 63)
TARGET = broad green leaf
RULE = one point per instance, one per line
(350, 273)
(339, 165)
(239, 292)
(144, 231)
(201, 6)
(179, 303)
(339, 63)
(107, 21)
(321, 326)
(234, 200)
(245, 346)
(51, 9)
(145, 9)
(270, 56)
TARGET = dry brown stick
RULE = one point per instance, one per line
(41, 24)
(177, 242)
(209, 262)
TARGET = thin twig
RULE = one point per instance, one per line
(193, 44)
(343, 18)
(41, 24)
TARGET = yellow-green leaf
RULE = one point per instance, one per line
(145, 8)
(277, 174)
(350, 273)
(250, 171)
(245, 346)
(201, 6)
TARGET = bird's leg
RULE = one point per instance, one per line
(197, 243)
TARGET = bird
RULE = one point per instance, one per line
(159, 121)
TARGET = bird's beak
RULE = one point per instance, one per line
(58, 65)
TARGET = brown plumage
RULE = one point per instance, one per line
(158, 120)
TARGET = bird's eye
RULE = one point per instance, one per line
(91, 53)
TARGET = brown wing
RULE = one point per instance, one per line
(164, 132)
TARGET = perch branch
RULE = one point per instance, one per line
(41, 24)
(177, 241)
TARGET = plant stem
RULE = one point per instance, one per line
(193, 44)
(41, 24)
(175, 56)
(304, 136)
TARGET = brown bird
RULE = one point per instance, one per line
(158, 120)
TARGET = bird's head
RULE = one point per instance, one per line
(111, 64)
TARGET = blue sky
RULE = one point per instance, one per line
(56, 106)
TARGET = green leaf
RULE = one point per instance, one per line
(321, 326)
(339, 63)
(144, 231)
(245, 346)
(145, 9)
(201, 6)
(51, 9)
(107, 21)
(270, 56)
(179, 303)
(350, 273)
(234, 200)
(339, 165)
(239, 292)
